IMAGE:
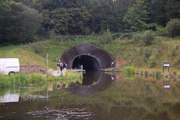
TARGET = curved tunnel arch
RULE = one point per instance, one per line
(89, 63)
(91, 57)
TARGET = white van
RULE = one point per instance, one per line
(9, 66)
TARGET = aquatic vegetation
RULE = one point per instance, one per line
(36, 78)
(70, 76)
(21, 80)
(128, 69)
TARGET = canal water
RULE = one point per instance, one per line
(99, 97)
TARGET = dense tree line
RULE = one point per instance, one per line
(20, 20)
(18, 23)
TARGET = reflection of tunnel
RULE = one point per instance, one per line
(91, 57)
(86, 62)
(93, 83)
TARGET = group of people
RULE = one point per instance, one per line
(60, 66)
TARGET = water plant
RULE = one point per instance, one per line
(128, 69)
(20, 80)
(36, 78)
(70, 76)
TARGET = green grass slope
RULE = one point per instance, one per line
(162, 49)
(25, 56)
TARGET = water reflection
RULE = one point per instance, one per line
(8, 98)
(63, 114)
(114, 97)
(93, 83)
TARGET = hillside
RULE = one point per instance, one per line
(25, 56)
(162, 49)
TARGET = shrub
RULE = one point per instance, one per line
(147, 53)
(173, 27)
(116, 36)
(137, 37)
(37, 47)
(148, 37)
(126, 36)
(172, 50)
(106, 37)
(152, 58)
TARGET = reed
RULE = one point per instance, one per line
(20, 80)
(128, 69)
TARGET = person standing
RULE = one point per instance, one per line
(61, 66)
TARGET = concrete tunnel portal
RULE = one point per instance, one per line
(88, 57)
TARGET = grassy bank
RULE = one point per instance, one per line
(23, 80)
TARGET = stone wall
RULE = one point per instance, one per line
(30, 69)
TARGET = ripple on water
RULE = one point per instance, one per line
(63, 114)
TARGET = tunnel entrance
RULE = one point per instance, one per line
(89, 56)
(86, 62)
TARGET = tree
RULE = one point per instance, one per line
(4, 8)
(20, 24)
(66, 16)
(172, 8)
(108, 14)
(156, 10)
(173, 27)
(68, 20)
(136, 17)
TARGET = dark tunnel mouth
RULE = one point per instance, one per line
(87, 62)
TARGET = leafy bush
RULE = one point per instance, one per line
(173, 27)
(148, 37)
(155, 27)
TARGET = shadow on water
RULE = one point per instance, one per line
(93, 83)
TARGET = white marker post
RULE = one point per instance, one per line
(166, 65)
